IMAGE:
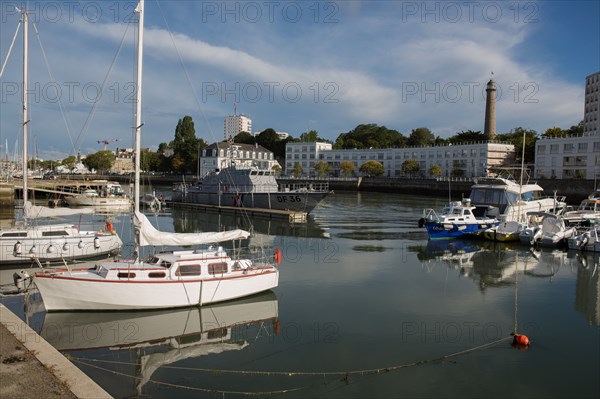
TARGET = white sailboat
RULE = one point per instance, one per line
(28, 241)
(167, 279)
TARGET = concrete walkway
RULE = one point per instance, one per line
(31, 368)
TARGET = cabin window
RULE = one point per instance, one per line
(54, 233)
(156, 274)
(217, 268)
(20, 234)
(188, 270)
(218, 333)
(125, 275)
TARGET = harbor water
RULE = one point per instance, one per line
(366, 307)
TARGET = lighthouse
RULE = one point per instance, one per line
(490, 110)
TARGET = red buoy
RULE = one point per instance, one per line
(521, 340)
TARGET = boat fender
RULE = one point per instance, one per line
(96, 242)
(17, 250)
(421, 222)
(277, 256)
(277, 327)
(584, 241)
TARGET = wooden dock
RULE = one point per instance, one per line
(290, 216)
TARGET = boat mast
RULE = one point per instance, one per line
(25, 17)
(138, 120)
(521, 181)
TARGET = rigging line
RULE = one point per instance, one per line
(10, 49)
(324, 373)
(185, 71)
(97, 101)
(189, 80)
(247, 393)
(52, 79)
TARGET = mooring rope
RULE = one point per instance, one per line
(168, 384)
(311, 373)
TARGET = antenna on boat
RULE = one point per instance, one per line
(521, 181)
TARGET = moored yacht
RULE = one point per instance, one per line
(512, 200)
(455, 220)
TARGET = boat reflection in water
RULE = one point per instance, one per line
(493, 263)
(163, 337)
(587, 289)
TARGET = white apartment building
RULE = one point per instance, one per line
(591, 112)
(224, 154)
(470, 159)
(568, 157)
(235, 124)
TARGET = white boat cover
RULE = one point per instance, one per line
(150, 236)
(35, 211)
(553, 225)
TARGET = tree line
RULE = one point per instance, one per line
(181, 154)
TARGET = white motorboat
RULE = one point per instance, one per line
(554, 231)
(586, 239)
(32, 240)
(589, 209)
(167, 279)
(455, 220)
(107, 194)
(511, 200)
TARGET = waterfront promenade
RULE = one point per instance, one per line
(31, 368)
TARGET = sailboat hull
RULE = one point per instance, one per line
(73, 244)
(75, 291)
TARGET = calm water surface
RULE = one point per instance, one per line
(361, 289)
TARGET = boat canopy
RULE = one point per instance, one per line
(151, 236)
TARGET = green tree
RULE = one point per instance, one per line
(457, 172)
(276, 169)
(421, 136)
(186, 144)
(150, 160)
(244, 138)
(515, 137)
(69, 162)
(370, 135)
(466, 136)
(162, 147)
(576, 130)
(310, 136)
(297, 170)
(372, 168)
(101, 161)
(554, 132)
(435, 170)
(410, 166)
(322, 168)
(267, 138)
(347, 168)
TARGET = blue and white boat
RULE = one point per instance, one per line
(455, 220)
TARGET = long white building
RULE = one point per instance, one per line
(469, 159)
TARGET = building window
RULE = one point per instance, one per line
(541, 149)
(553, 148)
(582, 147)
(568, 147)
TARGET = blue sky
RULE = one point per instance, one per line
(296, 66)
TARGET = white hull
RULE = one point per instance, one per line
(85, 245)
(98, 201)
(76, 293)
